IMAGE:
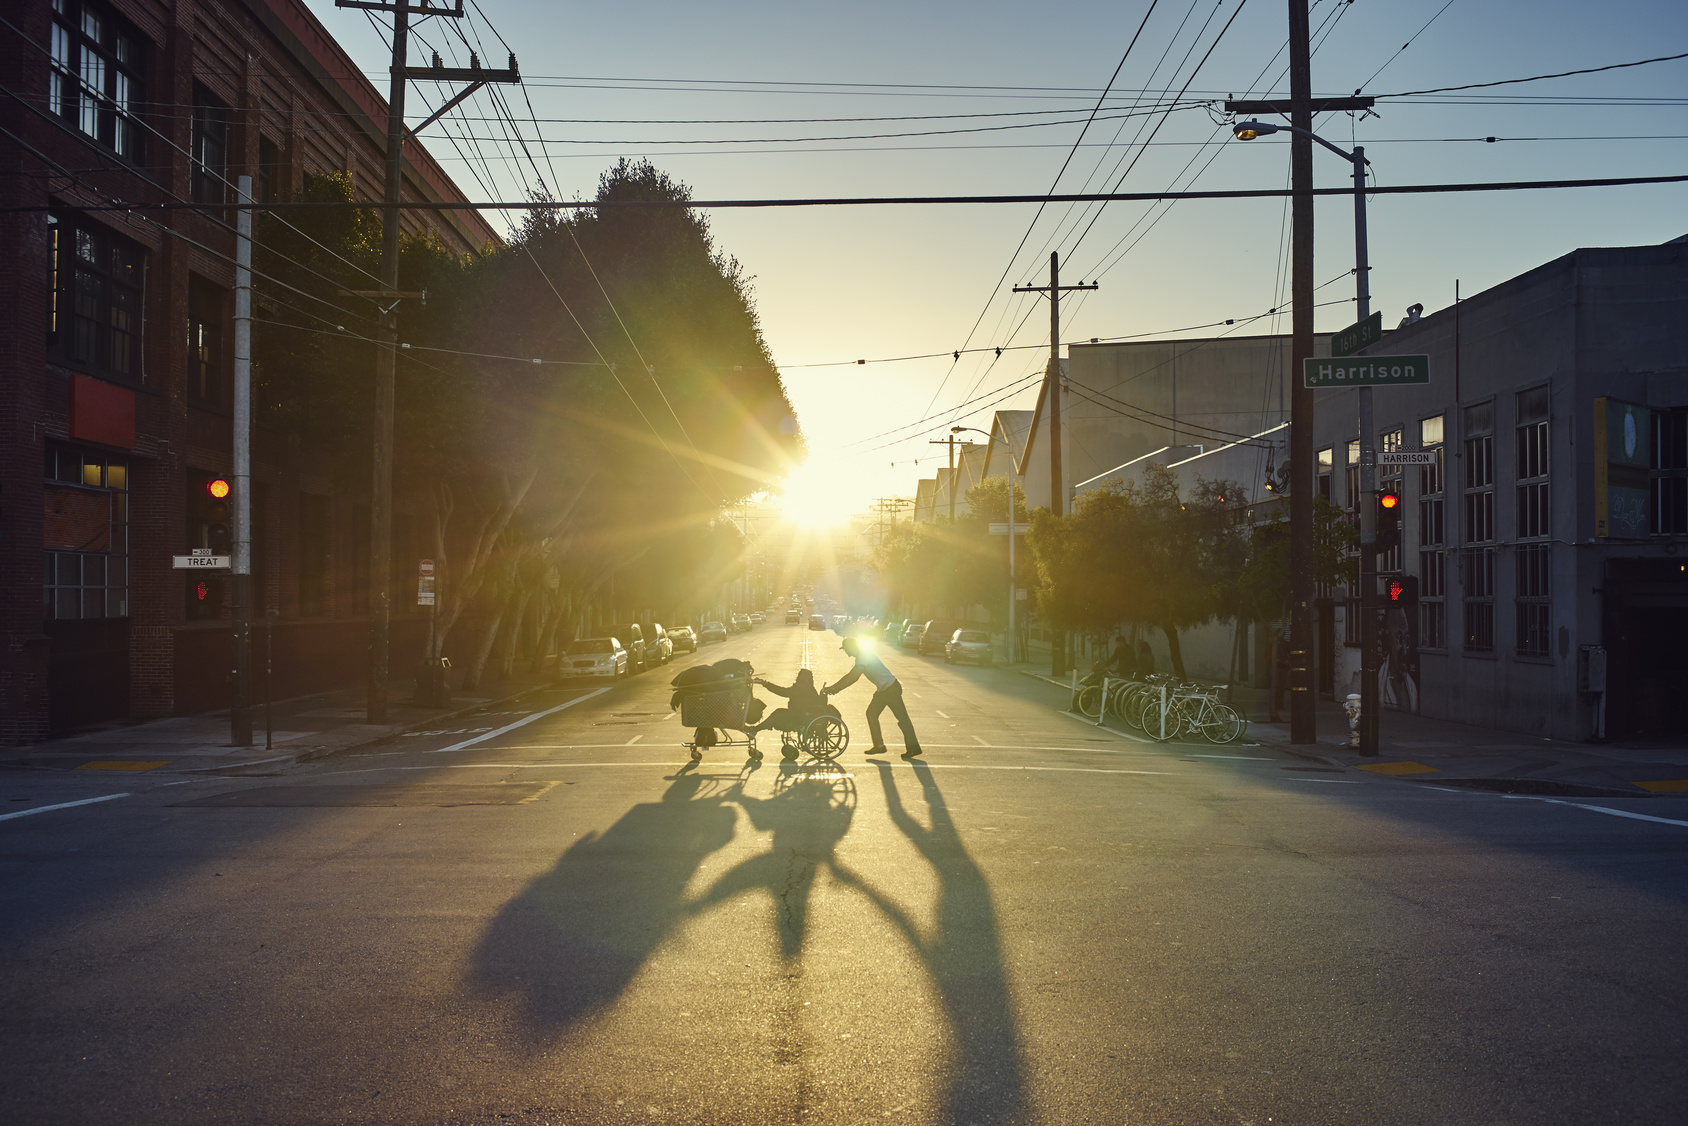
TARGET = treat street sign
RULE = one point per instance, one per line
(1357, 336)
(1407, 457)
(198, 562)
(425, 568)
(425, 590)
(1365, 371)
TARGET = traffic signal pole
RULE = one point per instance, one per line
(240, 703)
(1368, 482)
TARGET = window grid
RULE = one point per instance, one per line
(209, 148)
(1477, 580)
(94, 299)
(1432, 592)
(1534, 599)
(1534, 517)
(1669, 484)
(94, 78)
(85, 572)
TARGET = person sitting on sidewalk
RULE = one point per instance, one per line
(888, 693)
(805, 704)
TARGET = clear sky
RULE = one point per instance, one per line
(708, 93)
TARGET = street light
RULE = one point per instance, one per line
(1248, 131)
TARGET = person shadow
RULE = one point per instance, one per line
(808, 815)
(963, 954)
(570, 944)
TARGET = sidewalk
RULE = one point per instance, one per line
(1444, 753)
(304, 728)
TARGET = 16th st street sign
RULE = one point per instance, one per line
(1365, 371)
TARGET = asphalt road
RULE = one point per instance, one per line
(564, 922)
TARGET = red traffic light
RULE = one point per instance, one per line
(217, 487)
(1388, 501)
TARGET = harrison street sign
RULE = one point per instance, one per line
(1365, 371)
(1356, 336)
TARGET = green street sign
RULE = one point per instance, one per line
(1365, 371)
(1357, 336)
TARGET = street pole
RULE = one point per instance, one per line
(240, 707)
(950, 441)
(1368, 482)
(1303, 724)
(1052, 396)
(386, 300)
(381, 494)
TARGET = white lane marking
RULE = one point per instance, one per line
(61, 805)
(944, 714)
(729, 762)
(1602, 809)
(519, 723)
(1248, 758)
(1329, 781)
(980, 741)
(1042, 769)
(633, 740)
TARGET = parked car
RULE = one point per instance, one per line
(683, 639)
(741, 622)
(969, 645)
(712, 631)
(793, 615)
(659, 650)
(936, 636)
(593, 656)
(911, 635)
(757, 617)
(816, 622)
(632, 639)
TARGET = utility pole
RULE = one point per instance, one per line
(950, 442)
(240, 707)
(1368, 481)
(386, 300)
(1052, 396)
(1303, 720)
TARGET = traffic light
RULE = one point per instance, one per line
(1388, 520)
(1401, 591)
(219, 535)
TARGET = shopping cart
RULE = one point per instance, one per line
(721, 705)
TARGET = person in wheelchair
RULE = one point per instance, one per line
(804, 703)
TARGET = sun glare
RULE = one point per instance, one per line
(817, 495)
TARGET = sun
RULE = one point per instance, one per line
(817, 495)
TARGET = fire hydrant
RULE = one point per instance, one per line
(1351, 706)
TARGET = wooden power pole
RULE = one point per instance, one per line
(386, 300)
(1052, 397)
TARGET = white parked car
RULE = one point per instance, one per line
(594, 657)
(968, 645)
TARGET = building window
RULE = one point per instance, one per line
(1432, 560)
(1326, 459)
(210, 144)
(1669, 484)
(1477, 581)
(94, 299)
(86, 534)
(95, 79)
(1389, 481)
(1479, 473)
(270, 171)
(206, 304)
(1534, 603)
(1534, 516)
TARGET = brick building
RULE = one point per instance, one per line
(116, 353)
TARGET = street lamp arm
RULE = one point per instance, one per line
(1261, 128)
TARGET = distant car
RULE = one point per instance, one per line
(816, 622)
(712, 631)
(594, 656)
(936, 635)
(758, 617)
(793, 615)
(659, 648)
(911, 635)
(683, 639)
(969, 645)
(742, 622)
(632, 638)
(839, 621)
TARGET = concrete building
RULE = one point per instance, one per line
(115, 375)
(1549, 538)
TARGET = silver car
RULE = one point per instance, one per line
(594, 657)
(968, 645)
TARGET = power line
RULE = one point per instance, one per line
(1534, 77)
